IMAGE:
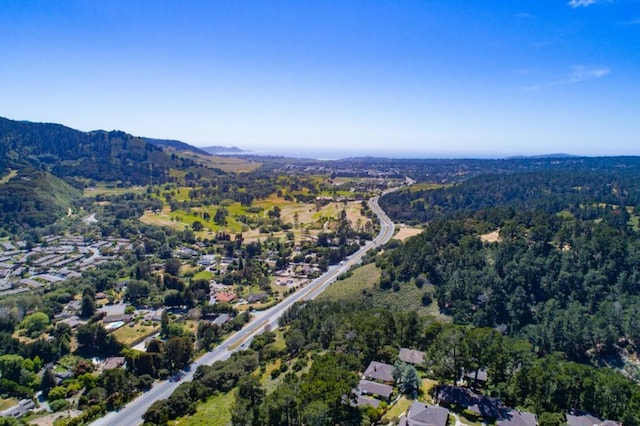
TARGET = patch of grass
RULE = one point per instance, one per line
(12, 173)
(363, 284)
(267, 382)
(427, 385)
(224, 163)
(128, 335)
(216, 411)
(7, 403)
(104, 190)
(397, 410)
(363, 278)
(203, 275)
(406, 232)
(427, 185)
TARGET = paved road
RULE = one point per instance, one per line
(131, 414)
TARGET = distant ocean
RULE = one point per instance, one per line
(336, 154)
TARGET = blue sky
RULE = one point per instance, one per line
(434, 78)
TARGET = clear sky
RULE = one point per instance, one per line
(434, 78)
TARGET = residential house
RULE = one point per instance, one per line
(19, 410)
(480, 380)
(411, 356)
(421, 414)
(117, 317)
(368, 387)
(221, 320)
(225, 297)
(380, 372)
(485, 407)
(511, 417)
(259, 297)
(482, 406)
(73, 321)
(582, 418)
(114, 362)
(366, 400)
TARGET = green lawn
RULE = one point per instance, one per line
(364, 284)
(427, 385)
(216, 411)
(128, 335)
(427, 185)
(7, 403)
(203, 275)
(397, 410)
(363, 278)
(103, 190)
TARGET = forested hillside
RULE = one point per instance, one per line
(577, 185)
(327, 345)
(98, 155)
(39, 162)
(33, 198)
(562, 272)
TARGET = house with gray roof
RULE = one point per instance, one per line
(421, 414)
(379, 371)
(411, 356)
(19, 410)
(511, 417)
(582, 418)
(374, 388)
(366, 400)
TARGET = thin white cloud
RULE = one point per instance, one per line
(582, 3)
(524, 15)
(582, 73)
(578, 74)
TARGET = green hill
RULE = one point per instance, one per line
(33, 198)
(95, 156)
(50, 160)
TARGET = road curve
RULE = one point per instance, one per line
(131, 414)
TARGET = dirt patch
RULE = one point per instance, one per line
(491, 237)
(405, 233)
(50, 418)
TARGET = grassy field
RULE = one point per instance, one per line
(406, 232)
(397, 410)
(12, 173)
(103, 190)
(303, 216)
(427, 185)
(128, 335)
(216, 411)
(224, 163)
(203, 275)
(427, 385)
(7, 403)
(363, 278)
(266, 381)
(363, 284)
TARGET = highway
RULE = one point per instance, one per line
(131, 414)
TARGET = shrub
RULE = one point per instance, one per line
(59, 405)
(59, 392)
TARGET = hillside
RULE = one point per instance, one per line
(177, 145)
(33, 198)
(99, 155)
(560, 270)
(217, 149)
(41, 162)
